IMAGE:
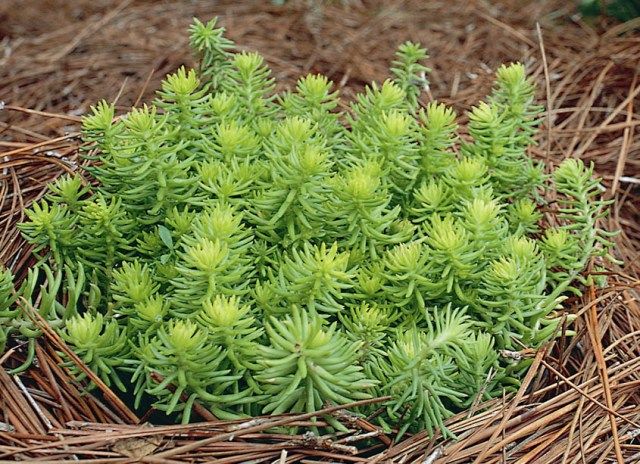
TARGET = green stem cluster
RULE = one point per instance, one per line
(264, 253)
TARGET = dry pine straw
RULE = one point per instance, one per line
(580, 401)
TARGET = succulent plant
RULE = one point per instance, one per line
(308, 364)
(262, 252)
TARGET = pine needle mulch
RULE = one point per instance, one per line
(580, 402)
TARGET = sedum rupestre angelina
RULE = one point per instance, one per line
(263, 252)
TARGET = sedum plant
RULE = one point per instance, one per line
(269, 253)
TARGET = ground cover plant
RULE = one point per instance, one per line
(264, 253)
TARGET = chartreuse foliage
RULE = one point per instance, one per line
(269, 253)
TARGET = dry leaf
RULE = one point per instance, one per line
(137, 447)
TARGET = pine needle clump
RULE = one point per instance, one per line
(260, 252)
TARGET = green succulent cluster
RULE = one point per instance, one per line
(268, 253)
(52, 295)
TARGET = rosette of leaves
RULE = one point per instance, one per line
(454, 257)
(437, 136)
(406, 271)
(51, 228)
(524, 218)
(181, 98)
(290, 201)
(422, 371)
(315, 100)
(232, 182)
(480, 374)
(370, 325)
(250, 81)
(509, 297)
(179, 366)
(410, 74)
(434, 197)
(363, 217)
(213, 48)
(390, 139)
(317, 278)
(206, 268)
(147, 316)
(101, 345)
(136, 299)
(308, 364)
(503, 128)
(142, 167)
(467, 179)
(104, 241)
(222, 222)
(69, 190)
(231, 141)
(580, 209)
(232, 326)
(132, 283)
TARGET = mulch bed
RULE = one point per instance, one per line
(580, 402)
